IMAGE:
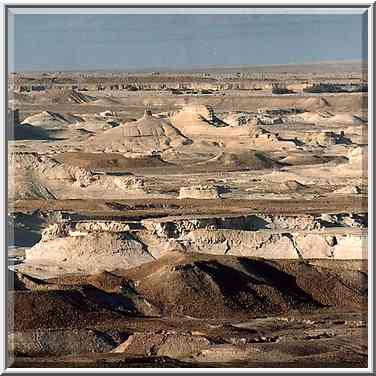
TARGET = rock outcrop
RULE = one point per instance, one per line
(199, 192)
(91, 253)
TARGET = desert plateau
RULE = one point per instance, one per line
(189, 218)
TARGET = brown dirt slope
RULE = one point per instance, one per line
(109, 161)
(198, 286)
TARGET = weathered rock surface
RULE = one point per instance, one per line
(174, 345)
(55, 231)
(200, 192)
(91, 253)
(59, 342)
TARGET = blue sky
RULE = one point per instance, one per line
(136, 41)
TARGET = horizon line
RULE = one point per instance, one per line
(196, 68)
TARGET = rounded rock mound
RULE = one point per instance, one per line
(200, 120)
(87, 253)
(51, 120)
(146, 135)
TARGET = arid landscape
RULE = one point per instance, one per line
(193, 218)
